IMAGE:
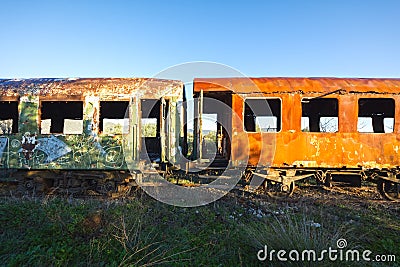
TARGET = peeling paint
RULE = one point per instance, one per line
(90, 86)
(291, 86)
(345, 148)
(82, 145)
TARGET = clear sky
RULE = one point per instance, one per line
(341, 38)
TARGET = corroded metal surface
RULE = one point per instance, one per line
(298, 85)
(291, 147)
(88, 148)
(90, 86)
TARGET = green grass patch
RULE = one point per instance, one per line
(143, 232)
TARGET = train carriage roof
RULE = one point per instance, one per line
(144, 87)
(298, 85)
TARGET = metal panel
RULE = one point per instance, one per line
(91, 149)
(299, 85)
(163, 131)
(199, 131)
(346, 148)
(134, 134)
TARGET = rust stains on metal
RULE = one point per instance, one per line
(298, 85)
(90, 86)
(347, 147)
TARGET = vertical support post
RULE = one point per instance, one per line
(134, 134)
(348, 113)
(174, 130)
(200, 123)
(396, 126)
(91, 114)
(163, 142)
(29, 114)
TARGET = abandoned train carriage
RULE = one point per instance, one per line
(80, 124)
(298, 127)
(279, 129)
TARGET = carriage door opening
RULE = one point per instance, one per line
(154, 113)
(215, 125)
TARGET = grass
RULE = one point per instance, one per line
(299, 232)
(143, 232)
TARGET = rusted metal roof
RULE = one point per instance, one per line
(89, 86)
(299, 85)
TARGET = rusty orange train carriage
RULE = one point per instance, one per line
(295, 128)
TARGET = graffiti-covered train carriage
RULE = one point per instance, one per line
(71, 134)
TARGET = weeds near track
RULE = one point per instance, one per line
(54, 231)
(292, 231)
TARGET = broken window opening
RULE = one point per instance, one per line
(375, 115)
(262, 115)
(320, 115)
(61, 117)
(150, 127)
(8, 117)
(209, 134)
(114, 117)
(150, 117)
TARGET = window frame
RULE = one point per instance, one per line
(261, 98)
(15, 123)
(101, 120)
(324, 116)
(40, 113)
(375, 98)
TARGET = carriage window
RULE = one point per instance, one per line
(61, 117)
(114, 117)
(375, 115)
(319, 115)
(262, 115)
(8, 117)
(150, 114)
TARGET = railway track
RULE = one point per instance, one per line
(20, 188)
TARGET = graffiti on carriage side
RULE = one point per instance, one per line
(28, 144)
(96, 152)
(3, 152)
(114, 158)
(73, 151)
(53, 147)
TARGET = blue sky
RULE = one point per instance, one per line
(140, 38)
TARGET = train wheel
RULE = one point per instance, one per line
(389, 190)
(106, 188)
(29, 185)
(26, 187)
(278, 190)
